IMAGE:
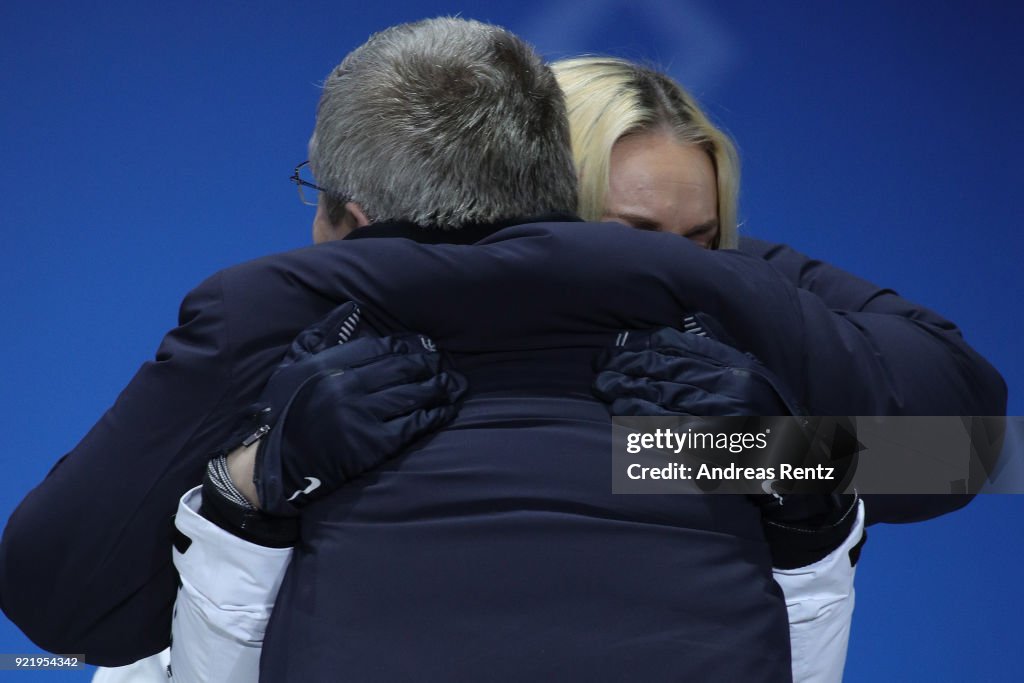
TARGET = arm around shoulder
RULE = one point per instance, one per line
(925, 365)
(931, 368)
(85, 559)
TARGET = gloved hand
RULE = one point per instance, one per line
(344, 401)
(670, 372)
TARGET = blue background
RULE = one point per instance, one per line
(142, 148)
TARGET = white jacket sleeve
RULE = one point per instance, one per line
(228, 589)
(819, 598)
(149, 670)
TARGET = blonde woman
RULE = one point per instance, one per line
(646, 154)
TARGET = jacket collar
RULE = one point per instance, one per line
(467, 234)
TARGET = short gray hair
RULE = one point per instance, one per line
(444, 122)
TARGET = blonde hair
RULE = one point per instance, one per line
(608, 98)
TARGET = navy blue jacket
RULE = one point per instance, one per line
(494, 548)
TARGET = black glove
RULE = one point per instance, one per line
(339, 411)
(343, 401)
(669, 372)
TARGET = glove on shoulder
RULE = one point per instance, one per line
(673, 372)
(667, 372)
(344, 400)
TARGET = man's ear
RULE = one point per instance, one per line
(357, 213)
(326, 231)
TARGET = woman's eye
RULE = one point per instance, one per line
(643, 225)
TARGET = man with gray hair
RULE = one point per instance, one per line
(492, 549)
(443, 123)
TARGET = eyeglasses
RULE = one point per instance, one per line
(309, 192)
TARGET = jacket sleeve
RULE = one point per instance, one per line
(819, 601)
(924, 365)
(85, 562)
(843, 346)
(228, 590)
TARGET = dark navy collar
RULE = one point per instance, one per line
(467, 234)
